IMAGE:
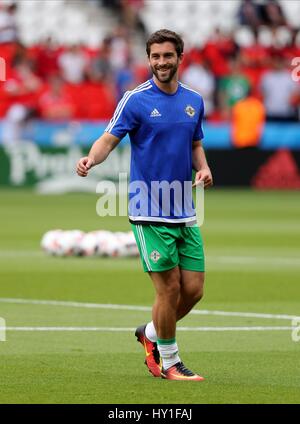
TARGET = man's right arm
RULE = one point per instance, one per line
(98, 153)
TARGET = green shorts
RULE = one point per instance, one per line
(162, 248)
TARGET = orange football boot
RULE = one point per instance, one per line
(152, 359)
(180, 372)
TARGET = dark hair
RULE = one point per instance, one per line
(164, 35)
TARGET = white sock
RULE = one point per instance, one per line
(169, 354)
(151, 332)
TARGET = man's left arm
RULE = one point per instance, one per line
(203, 172)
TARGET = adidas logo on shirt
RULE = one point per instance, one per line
(155, 113)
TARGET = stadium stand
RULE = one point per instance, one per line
(97, 48)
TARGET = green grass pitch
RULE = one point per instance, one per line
(253, 265)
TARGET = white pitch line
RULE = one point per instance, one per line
(142, 308)
(255, 260)
(220, 259)
(257, 328)
(20, 253)
(131, 329)
(76, 304)
(108, 329)
(245, 314)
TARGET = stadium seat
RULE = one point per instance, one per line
(65, 21)
(77, 19)
(265, 36)
(200, 16)
(244, 36)
(291, 9)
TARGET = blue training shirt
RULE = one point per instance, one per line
(161, 129)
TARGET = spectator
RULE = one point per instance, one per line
(248, 117)
(55, 103)
(255, 61)
(255, 55)
(278, 90)
(292, 48)
(256, 14)
(8, 25)
(249, 14)
(24, 85)
(47, 59)
(22, 90)
(272, 14)
(97, 101)
(130, 14)
(120, 49)
(232, 87)
(218, 49)
(125, 79)
(295, 101)
(114, 5)
(199, 77)
(100, 67)
(20, 54)
(13, 53)
(73, 64)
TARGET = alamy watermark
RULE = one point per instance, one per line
(2, 69)
(296, 329)
(159, 199)
(296, 71)
(2, 330)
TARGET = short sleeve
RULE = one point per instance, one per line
(125, 118)
(198, 134)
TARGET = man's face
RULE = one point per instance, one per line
(163, 61)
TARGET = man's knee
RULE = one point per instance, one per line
(170, 283)
(172, 289)
(198, 294)
(194, 288)
(199, 286)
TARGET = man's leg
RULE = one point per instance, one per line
(167, 286)
(159, 251)
(192, 266)
(176, 294)
(164, 312)
(191, 291)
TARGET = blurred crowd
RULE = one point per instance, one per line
(57, 82)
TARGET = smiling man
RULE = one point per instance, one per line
(163, 118)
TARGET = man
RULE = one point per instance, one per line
(163, 118)
(278, 89)
(247, 118)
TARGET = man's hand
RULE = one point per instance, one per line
(205, 176)
(84, 165)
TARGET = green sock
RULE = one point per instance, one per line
(168, 351)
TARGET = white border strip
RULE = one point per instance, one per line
(189, 88)
(160, 219)
(116, 117)
(131, 329)
(142, 308)
(143, 247)
(123, 99)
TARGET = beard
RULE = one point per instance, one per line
(165, 74)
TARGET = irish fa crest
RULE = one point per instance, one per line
(155, 256)
(189, 110)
